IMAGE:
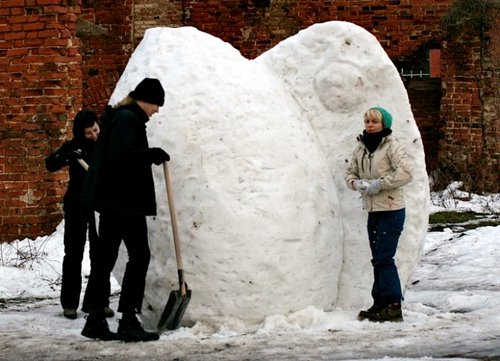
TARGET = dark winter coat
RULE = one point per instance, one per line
(62, 157)
(120, 177)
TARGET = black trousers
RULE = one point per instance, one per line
(113, 229)
(76, 222)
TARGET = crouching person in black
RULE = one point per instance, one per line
(120, 187)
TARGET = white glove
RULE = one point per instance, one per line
(360, 185)
(374, 187)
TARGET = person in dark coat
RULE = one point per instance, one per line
(120, 187)
(77, 218)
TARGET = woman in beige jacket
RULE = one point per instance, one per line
(378, 170)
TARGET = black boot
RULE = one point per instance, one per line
(97, 327)
(131, 330)
(108, 312)
(70, 313)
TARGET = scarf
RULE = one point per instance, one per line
(372, 140)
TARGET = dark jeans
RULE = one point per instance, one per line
(76, 222)
(113, 228)
(384, 229)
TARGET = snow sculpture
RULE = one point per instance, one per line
(259, 149)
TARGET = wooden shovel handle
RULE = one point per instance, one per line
(83, 163)
(175, 230)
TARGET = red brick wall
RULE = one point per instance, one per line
(57, 56)
(105, 30)
(469, 149)
(40, 88)
(435, 63)
(402, 26)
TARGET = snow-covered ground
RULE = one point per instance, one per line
(451, 310)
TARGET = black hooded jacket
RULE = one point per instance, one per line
(62, 157)
(120, 178)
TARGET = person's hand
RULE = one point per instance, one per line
(360, 185)
(74, 155)
(158, 156)
(374, 187)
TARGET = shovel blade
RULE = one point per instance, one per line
(174, 310)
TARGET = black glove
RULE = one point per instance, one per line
(158, 156)
(74, 155)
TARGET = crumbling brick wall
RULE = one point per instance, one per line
(469, 148)
(105, 30)
(254, 26)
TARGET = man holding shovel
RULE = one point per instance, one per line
(120, 187)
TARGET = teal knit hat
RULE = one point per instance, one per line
(386, 116)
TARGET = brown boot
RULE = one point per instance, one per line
(391, 312)
(364, 314)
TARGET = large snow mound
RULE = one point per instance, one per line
(259, 148)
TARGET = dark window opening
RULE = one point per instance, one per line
(426, 64)
(262, 3)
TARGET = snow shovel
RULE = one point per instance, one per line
(178, 300)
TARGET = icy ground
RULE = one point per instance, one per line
(451, 310)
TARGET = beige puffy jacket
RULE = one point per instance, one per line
(389, 163)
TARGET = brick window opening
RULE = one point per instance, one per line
(428, 67)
